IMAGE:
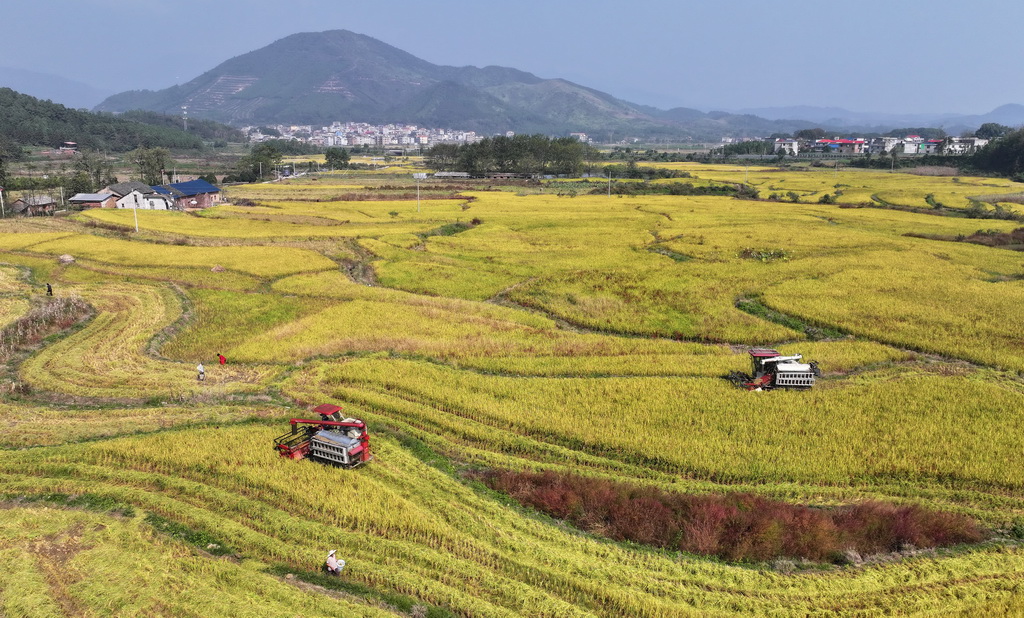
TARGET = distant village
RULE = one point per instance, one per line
(349, 134)
(909, 145)
(358, 134)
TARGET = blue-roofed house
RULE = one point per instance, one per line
(191, 194)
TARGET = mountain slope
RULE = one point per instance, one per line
(336, 75)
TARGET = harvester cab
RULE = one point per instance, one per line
(332, 440)
(773, 370)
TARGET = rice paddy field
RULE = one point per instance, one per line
(505, 327)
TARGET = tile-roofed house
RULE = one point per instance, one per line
(191, 194)
(122, 189)
(93, 200)
(33, 205)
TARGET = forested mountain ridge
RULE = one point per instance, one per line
(28, 121)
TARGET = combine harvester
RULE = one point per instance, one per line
(332, 440)
(773, 370)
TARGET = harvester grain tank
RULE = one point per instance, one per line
(773, 370)
(332, 440)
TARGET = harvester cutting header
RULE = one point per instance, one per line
(332, 440)
(773, 370)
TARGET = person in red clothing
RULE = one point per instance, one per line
(221, 358)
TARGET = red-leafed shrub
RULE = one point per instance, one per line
(740, 527)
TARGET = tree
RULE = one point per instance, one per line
(259, 162)
(337, 158)
(151, 163)
(96, 168)
(521, 154)
(79, 182)
(992, 130)
(443, 157)
(1003, 156)
(810, 134)
(925, 132)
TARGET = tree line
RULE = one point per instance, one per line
(519, 154)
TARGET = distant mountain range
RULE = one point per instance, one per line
(318, 78)
(67, 92)
(838, 118)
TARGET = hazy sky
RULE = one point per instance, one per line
(897, 56)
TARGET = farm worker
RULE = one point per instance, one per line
(334, 565)
(201, 372)
(49, 290)
(221, 358)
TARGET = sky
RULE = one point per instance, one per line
(892, 56)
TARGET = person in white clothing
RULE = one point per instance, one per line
(334, 565)
(201, 373)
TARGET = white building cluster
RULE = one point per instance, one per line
(910, 145)
(354, 134)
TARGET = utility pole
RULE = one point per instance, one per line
(3, 210)
(609, 184)
(135, 211)
(418, 177)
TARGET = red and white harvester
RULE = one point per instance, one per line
(773, 370)
(332, 440)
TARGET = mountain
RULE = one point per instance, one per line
(44, 86)
(317, 78)
(321, 77)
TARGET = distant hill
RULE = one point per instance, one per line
(28, 121)
(54, 88)
(839, 118)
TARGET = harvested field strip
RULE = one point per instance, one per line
(28, 425)
(248, 227)
(260, 261)
(108, 359)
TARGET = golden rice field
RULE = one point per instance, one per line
(514, 329)
(856, 186)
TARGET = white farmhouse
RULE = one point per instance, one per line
(146, 201)
(787, 146)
